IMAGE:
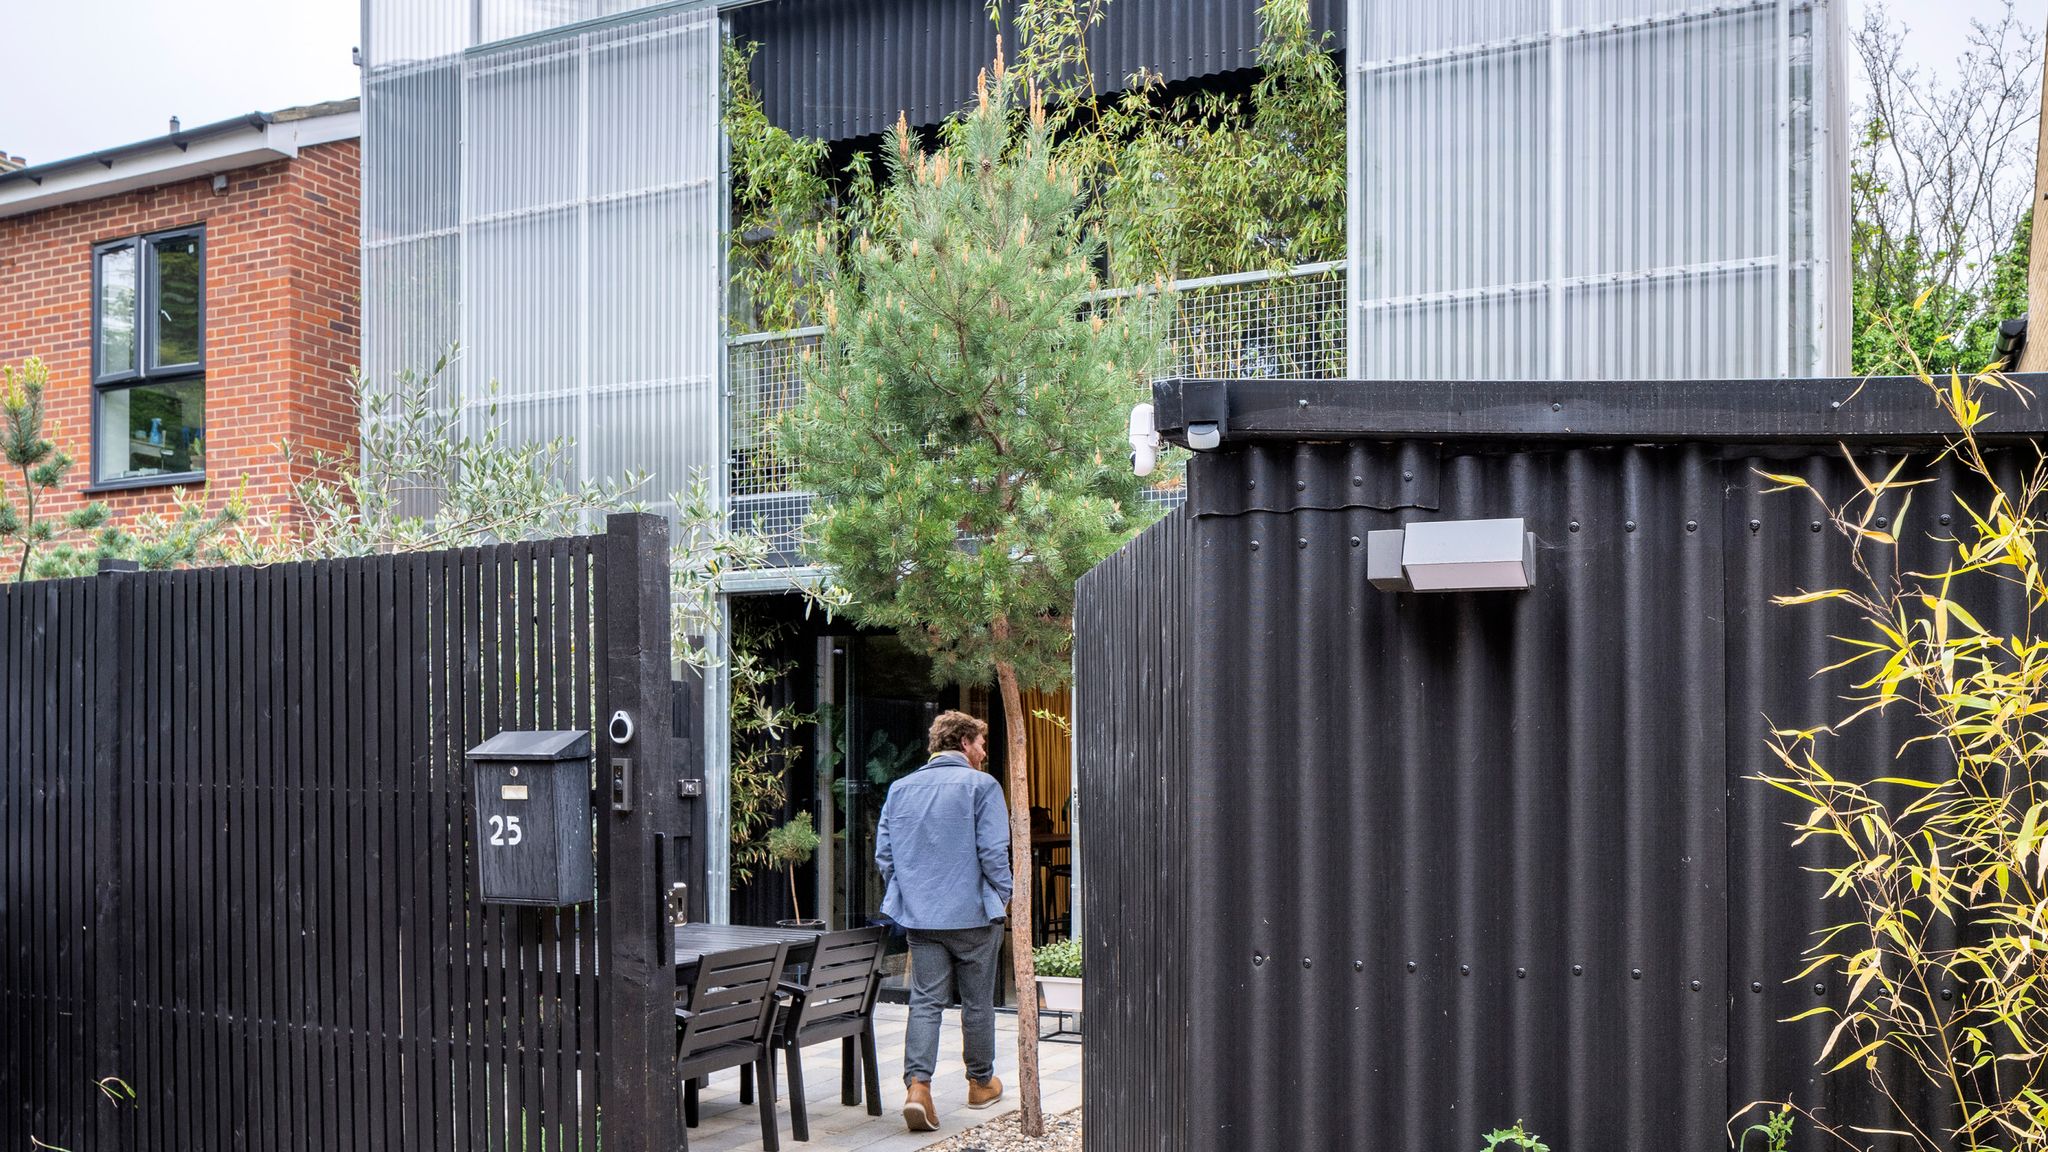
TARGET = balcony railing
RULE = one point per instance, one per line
(1287, 324)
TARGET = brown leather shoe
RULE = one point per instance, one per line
(982, 1093)
(918, 1111)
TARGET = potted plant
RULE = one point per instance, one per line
(1059, 976)
(791, 846)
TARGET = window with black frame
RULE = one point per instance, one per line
(149, 359)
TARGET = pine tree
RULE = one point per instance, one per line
(963, 430)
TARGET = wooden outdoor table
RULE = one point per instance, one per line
(694, 941)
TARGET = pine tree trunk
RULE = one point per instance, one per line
(1032, 1115)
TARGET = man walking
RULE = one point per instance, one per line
(943, 847)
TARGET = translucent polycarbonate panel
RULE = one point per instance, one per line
(412, 303)
(638, 302)
(1393, 29)
(523, 302)
(1670, 166)
(411, 146)
(646, 91)
(1597, 189)
(505, 19)
(401, 33)
(524, 131)
(552, 205)
(1436, 340)
(655, 430)
(1432, 163)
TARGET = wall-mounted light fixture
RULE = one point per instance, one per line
(1452, 556)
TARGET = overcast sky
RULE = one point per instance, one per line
(81, 75)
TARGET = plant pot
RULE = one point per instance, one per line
(806, 925)
(1059, 994)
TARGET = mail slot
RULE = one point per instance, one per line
(533, 820)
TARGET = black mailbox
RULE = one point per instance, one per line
(533, 819)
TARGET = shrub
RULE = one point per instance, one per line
(1060, 958)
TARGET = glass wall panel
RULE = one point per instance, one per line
(1597, 188)
(174, 294)
(116, 310)
(150, 430)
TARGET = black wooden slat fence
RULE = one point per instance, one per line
(236, 870)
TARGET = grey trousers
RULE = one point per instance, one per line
(961, 960)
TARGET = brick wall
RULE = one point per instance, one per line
(282, 317)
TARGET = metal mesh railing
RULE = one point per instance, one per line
(1270, 325)
(765, 377)
(1287, 324)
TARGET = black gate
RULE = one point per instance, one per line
(238, 869)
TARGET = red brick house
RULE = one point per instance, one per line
(196, 297)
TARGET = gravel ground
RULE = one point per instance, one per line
(1062, 1134)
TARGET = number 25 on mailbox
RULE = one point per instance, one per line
(532, 819)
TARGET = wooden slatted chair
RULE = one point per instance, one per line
(728, 1022)
(837, 1003)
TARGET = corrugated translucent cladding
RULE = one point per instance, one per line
(1597, 189)
(553, 205)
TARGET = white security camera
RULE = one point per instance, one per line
(1144, 441)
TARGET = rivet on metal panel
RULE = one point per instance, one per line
(1692, 525)
(1358, 481)
(1255, 545)
(1755, 526)
(1814, 527)
(1884, 521)
(1306, 963)
(1834, 403)
(1251, 483)
(1556, 407)
(1629, 526)
(1944, 518)
(1578, 969)
(1695, 985)
(1301, 542)
(1574, 525)
(1948, 993)
(1301, 485)
(1756, 985)
(1358, 965)
(1521, 973)
(1356, 541)
(1406, 474)
(1464, 969)
(1820, 989)
(1258, 958)
(1411, 965)
(1635, 973)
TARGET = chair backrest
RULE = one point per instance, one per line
(733, 1000)
(842, 981)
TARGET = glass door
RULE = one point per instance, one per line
(880, 702)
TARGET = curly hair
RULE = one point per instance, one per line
(952, 731)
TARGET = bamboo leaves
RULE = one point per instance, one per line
(1945, 867)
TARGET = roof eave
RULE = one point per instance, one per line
(206, 150)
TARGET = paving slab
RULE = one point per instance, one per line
(726, 1125)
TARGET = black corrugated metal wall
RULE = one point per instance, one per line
(1377, 870)
(844, 69)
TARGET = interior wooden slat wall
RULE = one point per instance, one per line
(236, 870)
